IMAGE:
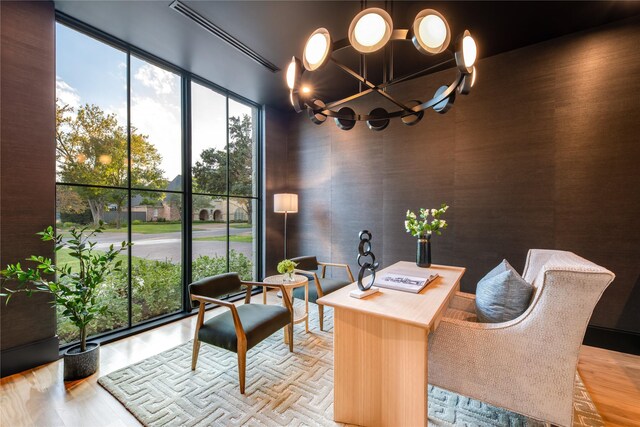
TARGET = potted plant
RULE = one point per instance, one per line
(74, 288)
(423, 229)
(287, 268)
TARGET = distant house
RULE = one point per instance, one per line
(155, 213)
(217, 211)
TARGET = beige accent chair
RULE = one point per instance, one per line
(528, 364)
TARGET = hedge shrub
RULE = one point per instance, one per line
(155, 288)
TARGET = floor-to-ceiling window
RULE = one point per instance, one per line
(121, 142)
(223, 184)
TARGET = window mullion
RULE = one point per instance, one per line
(228, 187)
(129, 221)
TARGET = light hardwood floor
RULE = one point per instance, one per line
(39, 397)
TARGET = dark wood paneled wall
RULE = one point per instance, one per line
(27, 199)
(276, 133)
(544, 153)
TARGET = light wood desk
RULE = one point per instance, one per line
(380, 348)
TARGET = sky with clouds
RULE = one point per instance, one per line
(91, 72)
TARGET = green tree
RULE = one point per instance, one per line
(92, 149)
(210, 172)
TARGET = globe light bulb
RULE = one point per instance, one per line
(466, 52)
(433, 31)
(315, 49)
(370, 29)
(291, 74)
(469, 51)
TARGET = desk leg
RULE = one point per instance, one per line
(380, 371)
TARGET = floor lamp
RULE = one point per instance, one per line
(285, 203)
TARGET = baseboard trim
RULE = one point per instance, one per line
(612, 339)
(18, 359)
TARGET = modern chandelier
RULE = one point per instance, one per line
(370, 31)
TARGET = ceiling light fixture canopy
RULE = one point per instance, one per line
(370, 31)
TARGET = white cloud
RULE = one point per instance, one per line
(161, 81)
(67, 94)
(208, 120)
(161, 122)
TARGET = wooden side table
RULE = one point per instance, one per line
(298, 281)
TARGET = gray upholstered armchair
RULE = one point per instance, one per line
(240, 328)
(319, 286)
(528, 364)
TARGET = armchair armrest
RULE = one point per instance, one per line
(234, 312)
(203, 299)
(335, 264)
(316, 281)
(250, 284)
(264, 285)
(463, 301)
(307, 273)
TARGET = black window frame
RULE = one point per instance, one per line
(186, 78)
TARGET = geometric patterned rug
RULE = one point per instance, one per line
(282, 388)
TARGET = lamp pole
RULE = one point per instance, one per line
(285, 234)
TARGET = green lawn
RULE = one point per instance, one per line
(240, 225)
(151, 228)
(63, 257)
(233, 238)
(160, 227)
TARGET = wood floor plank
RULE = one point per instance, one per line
(613, 381)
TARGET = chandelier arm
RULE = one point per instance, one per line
(361, 117)
(399, 113)
(414, 75)
(400, 34)
(392, 99)
(347, 99)
(340, 44)
(371, 85)
(352, 73)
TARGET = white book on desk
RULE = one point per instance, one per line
(402, 282)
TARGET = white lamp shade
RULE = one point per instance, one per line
(285, 203)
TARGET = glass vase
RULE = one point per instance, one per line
(423, 252)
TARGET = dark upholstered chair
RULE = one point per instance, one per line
(319, 286)
(243, 326)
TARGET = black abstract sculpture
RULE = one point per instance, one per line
(364, 252)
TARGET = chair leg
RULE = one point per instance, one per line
(194, 356)
(290, 326)
(242, 367)
(321, 316)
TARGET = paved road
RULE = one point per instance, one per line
(167, 246)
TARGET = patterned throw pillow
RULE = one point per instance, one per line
(502, 295)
